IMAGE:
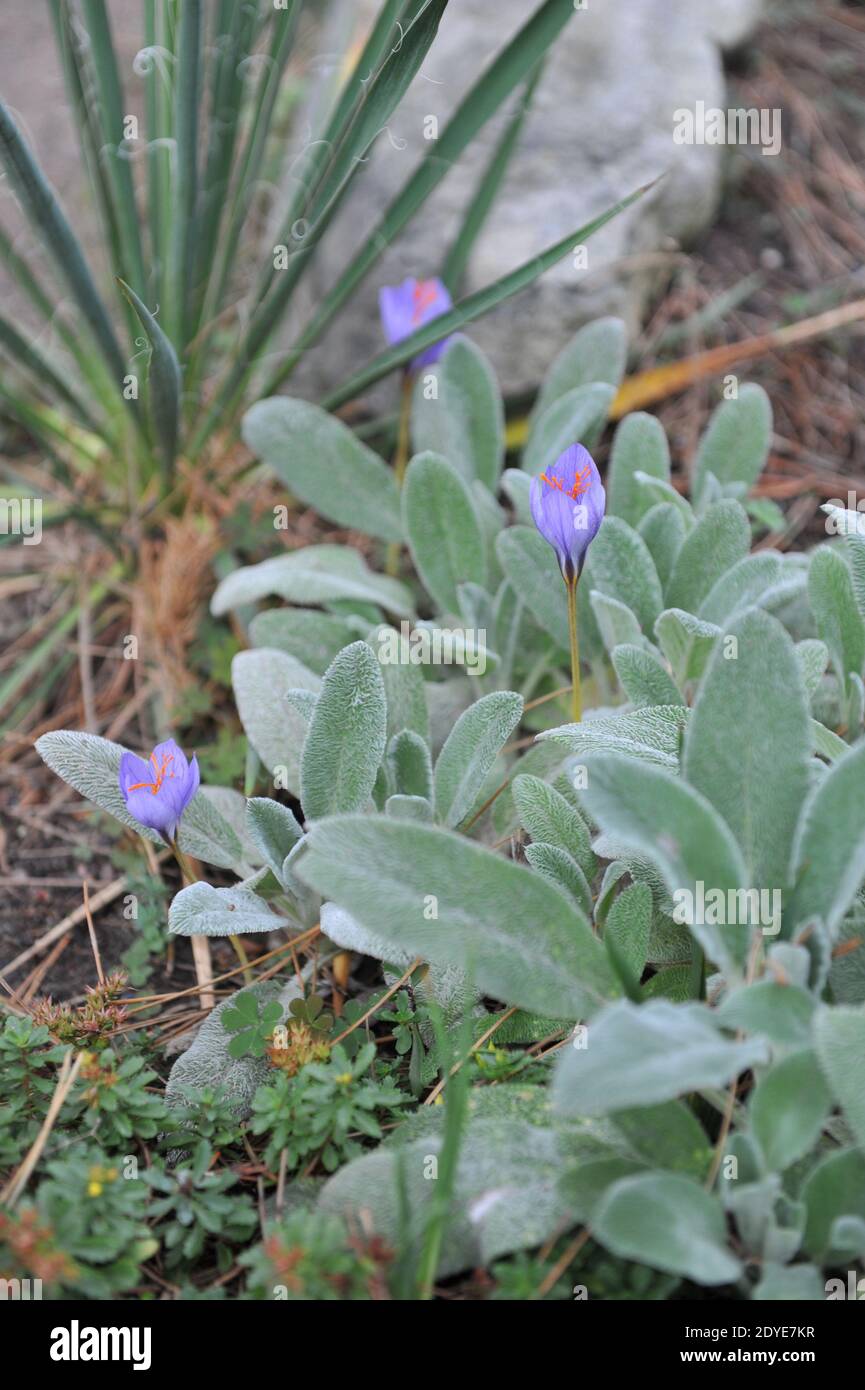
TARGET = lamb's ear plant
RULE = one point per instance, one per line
(665, 895)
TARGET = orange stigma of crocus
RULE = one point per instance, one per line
(581, 483)
(423, 295)
(161, 771)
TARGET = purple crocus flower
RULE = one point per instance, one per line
(407, 307)
(568, 502)
(158, 792)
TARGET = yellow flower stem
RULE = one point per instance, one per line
(400, 460)
(242, 959)
(576, 700)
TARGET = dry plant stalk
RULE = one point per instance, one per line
(174, 582)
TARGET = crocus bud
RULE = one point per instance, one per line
(407, 307)
(568, 502)
(158, 792)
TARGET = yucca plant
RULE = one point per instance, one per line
(177, 220)
(139, 381)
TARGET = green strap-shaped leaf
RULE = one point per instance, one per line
(464, 418)
(531, 569)
(736, 444)
(233, 41)
(346, 739)
(829, 850)
(578, 417)
(439, 896)
(597, 353)
(748, 744)
(639, 446)
(165, 380)
(667, 1221)
(647, 1053)
(645, 680)
(409, 764)
(651, 735)
(469, 752)
(550, 818)
(261, 679)
(620, 564)
(379, 100)
(284, 25)
(112, 108)
(839, 622)
(73, 51)
(721, 537)
(370, 57)
(479, 206)
(443, 530)
(329, 181)
(27, 357)
(787, 1109)
(187, 106)
(663, 528)
(560, 868)
(49, 220)
(325, 465)
(674, 827)
(90, 364)
(314, 574)
(839, 1038)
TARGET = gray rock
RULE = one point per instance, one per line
(731, 22)
(601, 125)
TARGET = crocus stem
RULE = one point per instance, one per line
(576, 701)
(203, 971)
(400, 459)
(243, 959)
(201, 945)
